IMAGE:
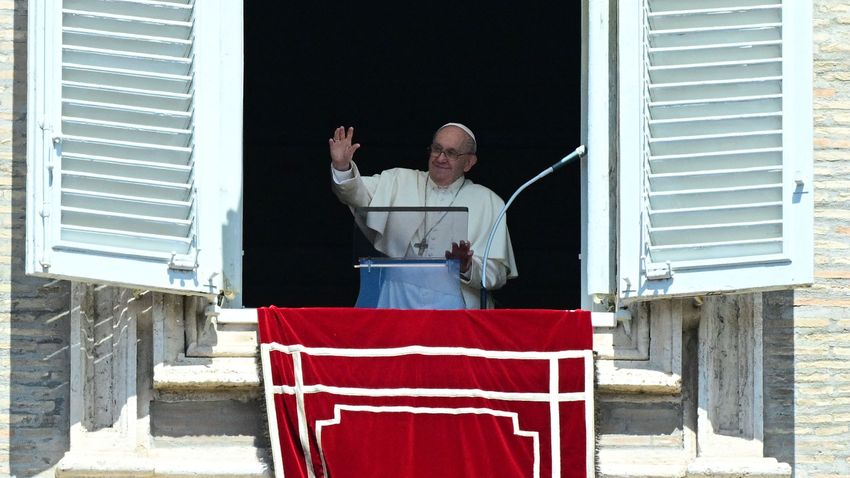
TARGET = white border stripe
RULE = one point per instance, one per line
(514, 416)
(303, 431)
(555, 417)
(271, 410)
(425, 350)
(431, 392)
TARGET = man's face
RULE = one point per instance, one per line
(441, 168)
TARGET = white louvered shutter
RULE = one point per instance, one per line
(716, 146)
(135, 137)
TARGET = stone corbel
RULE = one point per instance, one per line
(193, 351)
(649, 359)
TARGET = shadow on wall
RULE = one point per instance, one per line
(778, 356)
(38, 313)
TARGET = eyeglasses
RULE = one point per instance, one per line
(436, 150)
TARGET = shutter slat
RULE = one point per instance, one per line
(716, 160)
(175, 228)
(130, 61)
(126, 97)
(715, 142)
(126, 114)
(126, 186)
(126, 204)
(716, 125)
(678, 5)
(714, 107)
(716, 215)
(129, 181)
(705, 179)
(717, 90)
(660, 201)
(126, 24)
(130, 149)
(713, 154)
(160, 46)
(722, 252)
(127, 168)
(94, 75)
(125, 150)
(123, 241)
(705, 72)
(715, 53)
(723, 17)
(135, 8)
(178, 99)
(714, 233)
(113, 131)
(715, 36)
(707, 33)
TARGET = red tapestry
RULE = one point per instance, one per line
(354, 393)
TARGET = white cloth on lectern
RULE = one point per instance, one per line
(421, 288)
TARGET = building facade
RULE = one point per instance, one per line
(100, 380)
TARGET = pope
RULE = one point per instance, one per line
(452, 154)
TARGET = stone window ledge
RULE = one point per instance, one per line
(208, 374)
(207, 462)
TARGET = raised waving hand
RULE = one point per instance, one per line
(341, 148)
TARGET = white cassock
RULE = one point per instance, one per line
(402, 187)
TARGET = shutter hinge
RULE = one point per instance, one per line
(44, 213)
(47, 128)
(183, 263)
(657, 271)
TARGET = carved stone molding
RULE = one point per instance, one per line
(648, 358)
(141, 408)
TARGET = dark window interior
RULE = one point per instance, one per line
(397, 71)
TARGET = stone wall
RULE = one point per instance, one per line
(822, 313)
(34, 313)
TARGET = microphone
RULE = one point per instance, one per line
(579, 152)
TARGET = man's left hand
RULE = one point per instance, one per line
(462, 252)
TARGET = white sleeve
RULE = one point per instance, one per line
(340, 177)
(497, 274)
(356, 191)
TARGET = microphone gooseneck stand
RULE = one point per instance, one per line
(579, 152)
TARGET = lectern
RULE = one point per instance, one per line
(400, 253)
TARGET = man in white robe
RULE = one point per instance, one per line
(452, 154)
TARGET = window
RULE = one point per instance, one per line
(134, 109)
(698, 122)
